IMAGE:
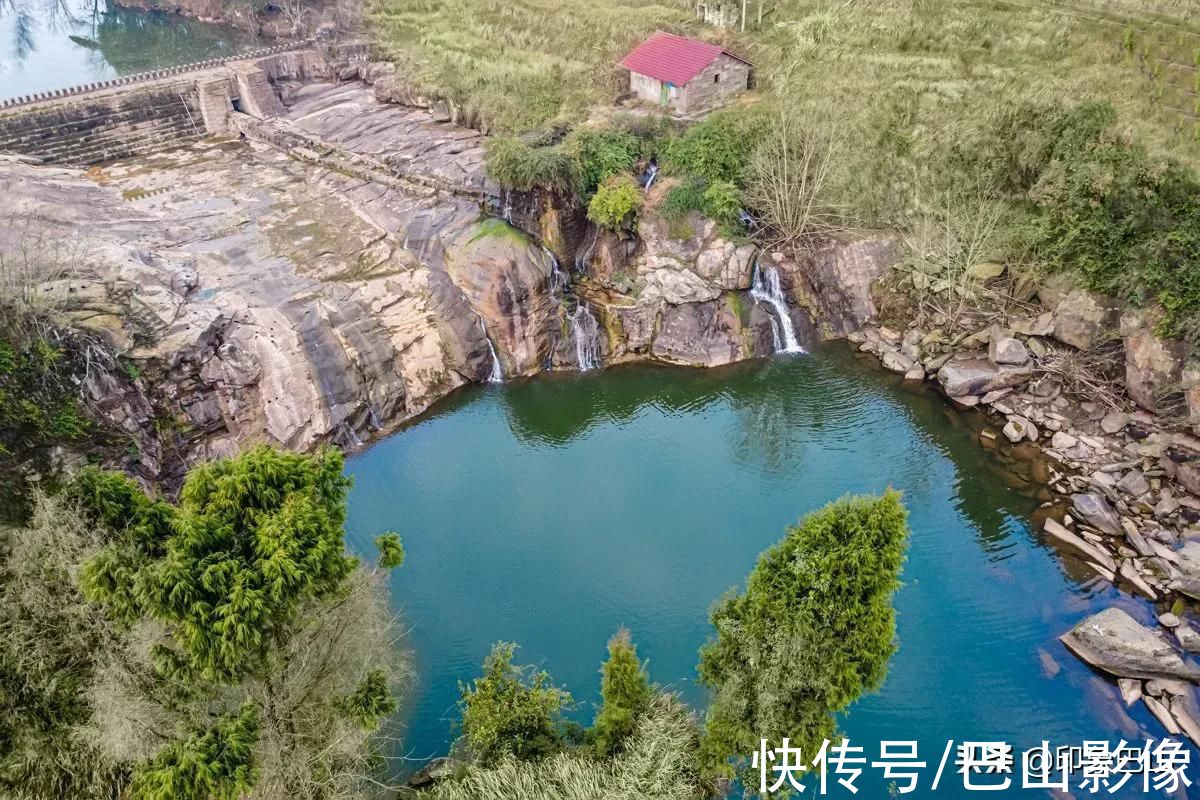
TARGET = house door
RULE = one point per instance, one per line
(664, 95)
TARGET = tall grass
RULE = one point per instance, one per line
(521, 63)
(903, 74)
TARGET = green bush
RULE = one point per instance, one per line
(616, 203)
(716, 148)
(254, 540)
(391, 551)
(683, 198)
(511, 712)
(600, 154)
(38, 405)
(1127, 222)
(625, 687)
(812, 632)
(516, 165)
(722, 202)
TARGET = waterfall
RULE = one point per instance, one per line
(556, 276)
(350, 434)
(651, 174)
(497, 373)
(585, 333)
(583, 256)
(765, 288)
(506, 211)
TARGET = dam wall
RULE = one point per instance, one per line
(141, 114)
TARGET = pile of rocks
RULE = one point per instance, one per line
(1129, 482)
(1147, 666)
(1122, 481)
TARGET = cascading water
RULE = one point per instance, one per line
(506, 211)
(765, 288)
(556, 275)
(585, 333)
(497, 373)
(583, 256)
(651, 174)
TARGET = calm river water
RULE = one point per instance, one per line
(53, 44)
(551, 512)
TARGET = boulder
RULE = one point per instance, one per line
(1153, 366)
(1041, 325)
(1083, 319)
(1054, 288)
(897, 361)
(1005, 350)
(971, 375)
(1118, 644)
(836, 279)
(1134, 483)
(1017, 429)
(1187, 566)
(700, 334)
(1097, 512)
(1063, 441)
(1114, 423)
(1066, 537)
(1190, 383)
(506, 279)
(692, 268)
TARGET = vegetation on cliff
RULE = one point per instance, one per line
(221, 646)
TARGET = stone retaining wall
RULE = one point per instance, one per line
(141, 114)
(89, 131)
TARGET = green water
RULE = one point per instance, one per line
(551, 512)
(53, 44)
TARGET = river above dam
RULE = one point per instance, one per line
(552, 512)
(48, 45)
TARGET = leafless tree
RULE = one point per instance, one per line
(791, 180)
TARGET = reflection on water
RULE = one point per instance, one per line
(53, 44)
(553, 511)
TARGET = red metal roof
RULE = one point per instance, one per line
(672, 59)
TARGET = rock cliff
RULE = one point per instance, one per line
(332, 287)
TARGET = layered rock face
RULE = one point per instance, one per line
(264, 299)
(681, 294)
(506, 279)
(338, 274)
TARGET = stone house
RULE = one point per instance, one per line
(685, 76)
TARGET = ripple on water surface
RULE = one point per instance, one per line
(551, 512)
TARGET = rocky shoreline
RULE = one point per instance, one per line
(1118, 484)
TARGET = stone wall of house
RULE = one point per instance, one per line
(716, 85)
(650, 90)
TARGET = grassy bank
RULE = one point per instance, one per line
(521, 63)
(897, 68)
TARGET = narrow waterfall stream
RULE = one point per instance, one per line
(497, 373)
(765, 288)
(583, 256)
(585, 333)
(651, 174)
(556, 275)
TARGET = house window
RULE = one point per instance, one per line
(717, 78)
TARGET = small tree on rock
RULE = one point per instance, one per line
(616, 203)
